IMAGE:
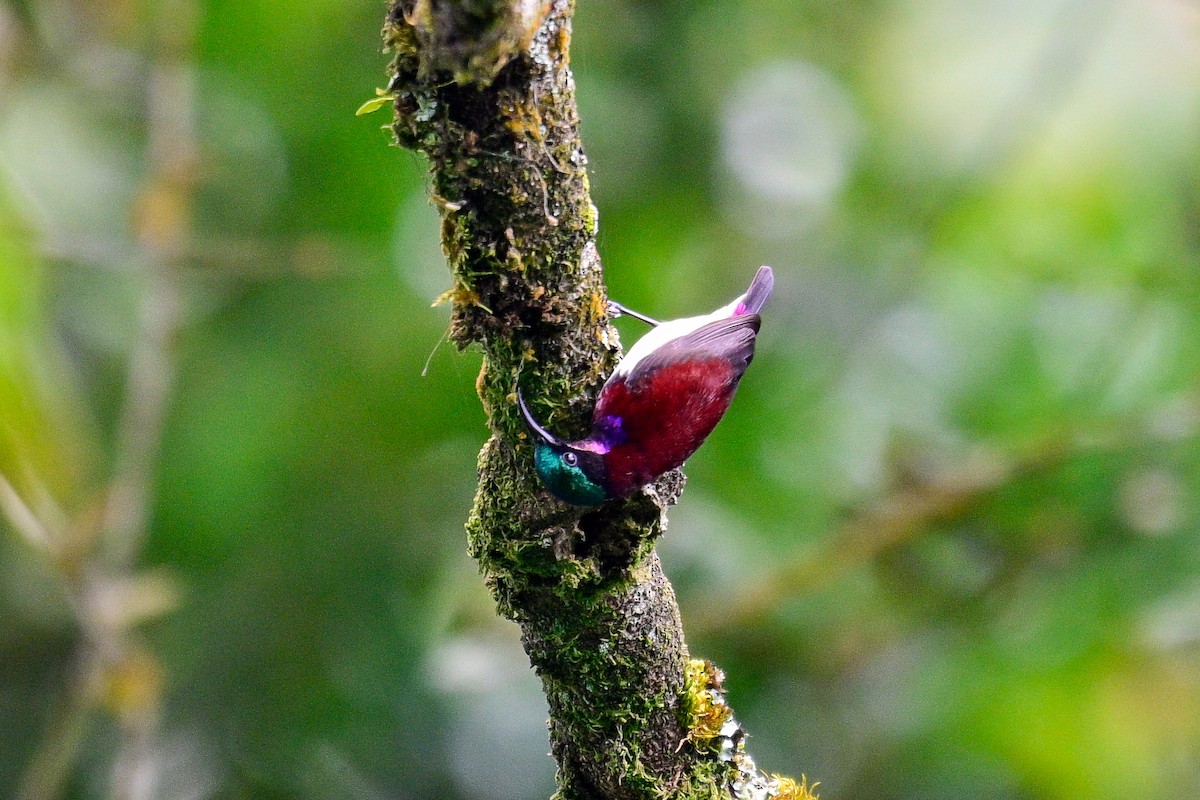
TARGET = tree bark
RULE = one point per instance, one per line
(483, 88)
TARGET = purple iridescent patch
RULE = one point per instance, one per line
(610, 431)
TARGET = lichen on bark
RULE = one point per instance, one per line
(483, 89)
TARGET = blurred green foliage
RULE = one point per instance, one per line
(945, 544)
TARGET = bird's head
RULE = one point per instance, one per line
(570, 472)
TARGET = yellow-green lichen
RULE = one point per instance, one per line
(789, 789)
(460, 296)
(705, 702)
(712, 729)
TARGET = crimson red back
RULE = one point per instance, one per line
(664, 417)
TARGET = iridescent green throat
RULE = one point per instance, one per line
(566, 481)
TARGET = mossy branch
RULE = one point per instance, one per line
(483, 88)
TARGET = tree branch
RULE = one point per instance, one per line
(482, 88)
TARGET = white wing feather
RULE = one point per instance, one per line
(668, 331)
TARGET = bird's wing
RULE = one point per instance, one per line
(654, 418)
(731, 339)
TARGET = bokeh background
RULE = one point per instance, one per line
(945, 543)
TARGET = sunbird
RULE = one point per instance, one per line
(659, 405)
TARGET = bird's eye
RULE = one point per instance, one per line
(570, 459)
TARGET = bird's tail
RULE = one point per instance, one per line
(758, 294)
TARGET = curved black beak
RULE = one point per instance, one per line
(532, 423)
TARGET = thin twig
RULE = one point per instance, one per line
(111, 667)
(898, 518)
(164, 230)
(148, 386)
(22, 518)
